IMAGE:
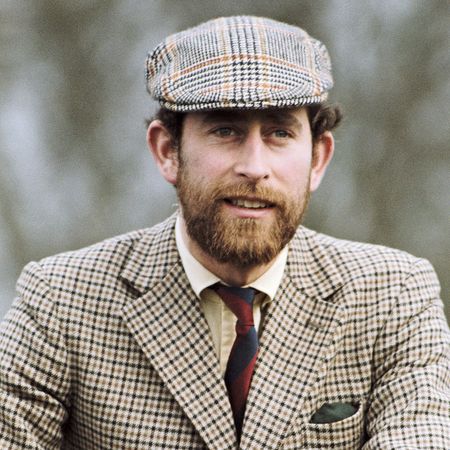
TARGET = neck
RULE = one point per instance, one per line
(227, 272)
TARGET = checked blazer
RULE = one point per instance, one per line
(107, 348)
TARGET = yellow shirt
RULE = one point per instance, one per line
(220, 319)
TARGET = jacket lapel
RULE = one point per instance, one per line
(167, 323)
(301, 327)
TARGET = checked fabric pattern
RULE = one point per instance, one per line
(107, 348)
(239, 62)
(244, 352)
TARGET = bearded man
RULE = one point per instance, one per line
(230, 325)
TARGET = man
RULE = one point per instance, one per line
(229, 325)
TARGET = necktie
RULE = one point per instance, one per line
(244, 351)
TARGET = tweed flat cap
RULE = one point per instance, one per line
(239, 62)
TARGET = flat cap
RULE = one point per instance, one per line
(239, 62)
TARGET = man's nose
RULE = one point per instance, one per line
(252, 160)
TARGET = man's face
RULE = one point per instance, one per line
(243, 181)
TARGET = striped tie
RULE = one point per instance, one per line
(243, 354)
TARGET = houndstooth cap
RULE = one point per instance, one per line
(239, 62)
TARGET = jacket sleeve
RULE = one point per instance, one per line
(34, 368)
(409, 407)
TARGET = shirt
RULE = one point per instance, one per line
(220, 319)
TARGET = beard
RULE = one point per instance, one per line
(242, 242)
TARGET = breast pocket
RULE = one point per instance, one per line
(345, 434)
(342, 434)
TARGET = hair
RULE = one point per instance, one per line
(322, 117)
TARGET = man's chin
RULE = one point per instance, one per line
(244, 243)
(252, 222)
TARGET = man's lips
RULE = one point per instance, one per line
(250, 203)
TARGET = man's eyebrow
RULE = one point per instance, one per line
(276, 117)
(220, 116)
(283, 118)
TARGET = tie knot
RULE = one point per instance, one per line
(239, 300)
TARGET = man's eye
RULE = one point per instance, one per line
(281, 133)
(224, 132)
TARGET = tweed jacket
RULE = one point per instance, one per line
(107, 348)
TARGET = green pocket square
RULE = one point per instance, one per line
(333, 412)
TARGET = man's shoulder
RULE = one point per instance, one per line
(116, 247)
(103, 259)
(354, 257)
(355, 249)
(365, 273)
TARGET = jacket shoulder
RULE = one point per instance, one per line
(93, 272)
(112, 251)
(346, 251)
(370, 264)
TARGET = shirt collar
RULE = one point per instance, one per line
(200, 277)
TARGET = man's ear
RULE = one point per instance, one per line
(323, 153)
(160, 143)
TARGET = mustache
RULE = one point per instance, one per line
(250, 190)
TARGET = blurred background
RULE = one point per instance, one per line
(74, 167)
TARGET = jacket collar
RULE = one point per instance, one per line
(311, 267)
(152, 256)
(308, 264)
